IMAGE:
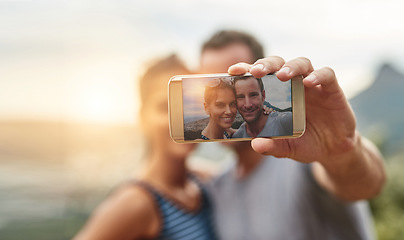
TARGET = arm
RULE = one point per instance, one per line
(345, 164)
(358, 175)
(128, 214)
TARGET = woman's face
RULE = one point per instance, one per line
(156, 127)
(222, 109)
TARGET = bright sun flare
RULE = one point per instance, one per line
(102, 100)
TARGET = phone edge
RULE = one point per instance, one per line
(175, 109)
(298, 107)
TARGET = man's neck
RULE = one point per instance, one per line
(248, 160)
(254, 128)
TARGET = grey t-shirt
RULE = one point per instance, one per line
(281, 200)
(278, 124)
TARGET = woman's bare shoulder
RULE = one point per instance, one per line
(134, 200)
(129, 213)
(231, 131)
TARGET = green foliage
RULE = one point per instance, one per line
(388, 207)
(43, 229)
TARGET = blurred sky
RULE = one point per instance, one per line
(78, 60)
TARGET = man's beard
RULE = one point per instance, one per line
(257, 116)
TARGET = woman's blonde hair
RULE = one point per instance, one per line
(161, 70)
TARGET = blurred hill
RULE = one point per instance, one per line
(378, 110)
(52, 174)
(31, 140)
(289, 109)
(55, 141)
(89, 155)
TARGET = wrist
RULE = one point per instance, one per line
(355, 174)
(348, 155)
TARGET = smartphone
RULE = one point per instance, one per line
(220, 107)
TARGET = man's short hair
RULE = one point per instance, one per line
(224, 38)
(260, 83)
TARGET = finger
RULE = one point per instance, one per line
(270, 110)
(267, 110)
(324, 77)
(295, 67)
(239, 69)
(267, 65)
(274, 147)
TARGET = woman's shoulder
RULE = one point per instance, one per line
(133, 197)
(231, 131)
(129, 212)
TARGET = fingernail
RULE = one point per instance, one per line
(311, 78)
(285, 70)
(258, 66)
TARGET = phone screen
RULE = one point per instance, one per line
(236, 107)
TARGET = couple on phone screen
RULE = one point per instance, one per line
(223, 97)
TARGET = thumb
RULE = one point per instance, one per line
(276, 147)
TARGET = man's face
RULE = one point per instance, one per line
(219, 60)
(250, 99)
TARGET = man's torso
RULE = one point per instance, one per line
(281, 200)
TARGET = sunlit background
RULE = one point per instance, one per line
(69, 101)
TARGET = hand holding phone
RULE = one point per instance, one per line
(220, 107)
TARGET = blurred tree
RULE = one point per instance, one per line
(388, 207)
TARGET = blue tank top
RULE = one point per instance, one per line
(178, 223)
